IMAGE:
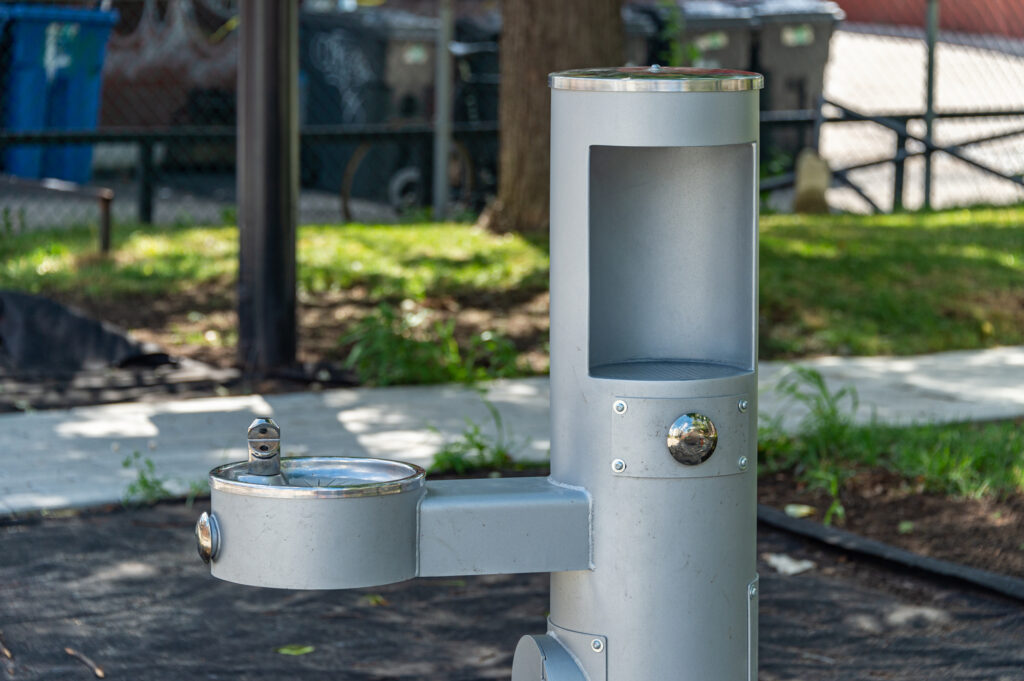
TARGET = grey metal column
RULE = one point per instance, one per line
(268, 182)
(654, 369)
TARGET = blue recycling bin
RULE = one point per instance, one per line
(54, 64)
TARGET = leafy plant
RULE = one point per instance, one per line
(816, 454)
(832, 481)
(375, 600)
(828, 448)
(196, 488)
(826, 428)
(476, 450)
(148, 487)
(675, 51)
(391, 347)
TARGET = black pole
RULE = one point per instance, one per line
(268, 183)
(900, 167)
(146, 182)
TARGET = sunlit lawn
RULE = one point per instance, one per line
(856, 285)
(899, 284)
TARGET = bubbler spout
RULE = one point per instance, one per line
(264, 447)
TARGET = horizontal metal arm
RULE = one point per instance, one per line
(503, 525)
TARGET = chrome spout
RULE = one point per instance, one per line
(264, 447)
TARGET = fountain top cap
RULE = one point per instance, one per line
(656, 78)
(321, 477)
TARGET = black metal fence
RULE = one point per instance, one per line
(879, 67)
(143, 102)
(153, 86)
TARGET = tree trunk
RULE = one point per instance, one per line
(539, 37)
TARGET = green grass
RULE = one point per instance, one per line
(849, 285)
(414, 261)
(827, 449)
(390, 261)
(895, 284)
(476, 450)
(144, 261)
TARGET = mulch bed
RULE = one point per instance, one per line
(127, 590)
(982, 533)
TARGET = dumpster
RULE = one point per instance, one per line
(713, 33)
(53, 63)
(794, 49)
(720, 32)
(342, 72)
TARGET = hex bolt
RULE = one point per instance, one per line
(620, 406)
(618, 465)
(743, 462)
(597, 645)
(743, 405)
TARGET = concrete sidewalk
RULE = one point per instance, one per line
(73, 458)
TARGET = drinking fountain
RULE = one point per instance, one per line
(647, 521)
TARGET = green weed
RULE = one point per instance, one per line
(391, 347)
(677, 52)
(828, 448)
(476, 450)
(148, 487)
(817, 455)
(197, 488)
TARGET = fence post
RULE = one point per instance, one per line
(145, 182)
(900, 163)
(442, 110)
(105, 202)
(929, 113)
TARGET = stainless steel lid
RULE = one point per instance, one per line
(656, 79)
(320, 477)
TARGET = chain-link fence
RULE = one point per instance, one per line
(147, 89)
(139, 96)
(878, 65)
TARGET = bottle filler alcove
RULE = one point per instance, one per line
(647, 522)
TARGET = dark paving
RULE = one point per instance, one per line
(127, 590)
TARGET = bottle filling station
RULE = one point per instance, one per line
(647, 522)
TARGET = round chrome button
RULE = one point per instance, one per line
(692, 439)
(207, 537)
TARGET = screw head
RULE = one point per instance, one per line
(597, 645)
(743, 405)
(752, 591)
(743, 462)
(618, 465)
(620, 406)
(655, 68)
